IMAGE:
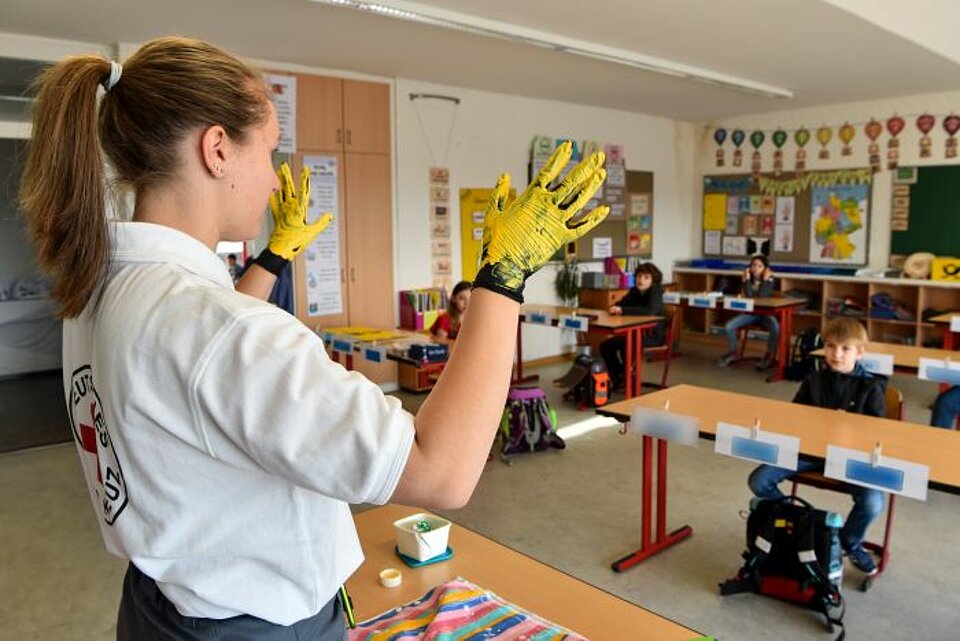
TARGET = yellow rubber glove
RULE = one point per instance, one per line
(291, 232)
(520, 238)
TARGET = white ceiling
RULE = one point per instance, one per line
(822, 53)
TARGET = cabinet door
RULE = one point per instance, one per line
(319, 113)
(335, 268)
(366, 117)
(369, 240)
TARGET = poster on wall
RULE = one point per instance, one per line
(439, 187)
(711, 242)
(838, 224)
(734, 245)
(283, 91)
(323, 255)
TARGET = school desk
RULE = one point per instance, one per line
(393, 340)
(949, 336)
(630, 327)
(521, 580)
(815, 426)
(781, 308)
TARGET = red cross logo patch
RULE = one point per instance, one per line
(90, 431)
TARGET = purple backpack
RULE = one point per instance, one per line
(529, 424)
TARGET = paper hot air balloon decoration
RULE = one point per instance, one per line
(756, 161)
(873, 129)
(846, 134)
(824, 136)
(951, 124)
(895, 125)
(737, 137)
(925, 124)
(801, 136)
(779, 137)
(719, 135)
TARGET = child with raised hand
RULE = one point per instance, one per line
(842, 385)
(757, 283)
(645, 298)
(448, 324)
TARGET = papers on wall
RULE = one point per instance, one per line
(786, 208)
(714, 211)
(283, 91)
(711, 242)
(734, 245)
(783, 238)
(880, 473)
(324, 294)
(602, 247)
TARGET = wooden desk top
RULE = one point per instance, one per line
(517, 578)
(558, 310)
(816, 427)
(773, 302)
(609, 321)
(905, 356)
(944, 318)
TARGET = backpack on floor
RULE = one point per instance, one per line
(529, 424)
(793, 554)
(587, 382)
(801, 362)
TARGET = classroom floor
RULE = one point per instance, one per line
(576, 509)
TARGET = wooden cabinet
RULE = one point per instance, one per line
(827, 293)
(342, 115)
(369, 241)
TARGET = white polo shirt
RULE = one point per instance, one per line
(220, 444)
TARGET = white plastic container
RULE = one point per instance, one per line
(422, 546)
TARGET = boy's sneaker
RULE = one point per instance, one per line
(727, 359)
(764, 363)
(861, 559)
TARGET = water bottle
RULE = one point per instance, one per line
(835, 568)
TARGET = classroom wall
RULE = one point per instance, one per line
(857, 113)
(492, 133)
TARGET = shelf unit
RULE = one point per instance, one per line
(918, 295)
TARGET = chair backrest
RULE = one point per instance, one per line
(894, 399)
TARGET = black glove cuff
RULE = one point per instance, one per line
(271, 262)
(487, 279)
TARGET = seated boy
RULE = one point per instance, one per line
(843, 385)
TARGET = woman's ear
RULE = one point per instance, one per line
(214, 150)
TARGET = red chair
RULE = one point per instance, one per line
(666, 352)
(816, 479)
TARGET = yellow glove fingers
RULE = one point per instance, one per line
(286, 183)
(588, 222)
(577, 177)
(275, 207)
(319, 225)
(587, 191)
(304, 194)
(555, 164)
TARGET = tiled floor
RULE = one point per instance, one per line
(576, 509)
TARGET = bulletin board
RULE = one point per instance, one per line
(925, 210)
(629, 228)
(816, 217)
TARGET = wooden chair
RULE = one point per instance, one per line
(895, 411)
(666, 352)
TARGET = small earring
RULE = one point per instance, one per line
(218, 169)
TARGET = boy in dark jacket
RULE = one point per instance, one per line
(757, 283)
(843, 385)
(645, 298)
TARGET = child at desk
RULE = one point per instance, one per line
(645, 298)
(946, 408)
(448, 325)
(842, 385)
(757, 283)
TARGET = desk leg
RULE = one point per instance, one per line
(948, 339)
(520, 378)
(628, 389)
(663, 540)
(349, 364)
(785, 317)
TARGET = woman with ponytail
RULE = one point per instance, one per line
(220, 445)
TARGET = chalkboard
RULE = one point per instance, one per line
(932, 213)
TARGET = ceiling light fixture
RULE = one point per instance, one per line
(434, 16)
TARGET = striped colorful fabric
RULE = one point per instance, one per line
(459, 610)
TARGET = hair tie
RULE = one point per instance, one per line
(116, 70)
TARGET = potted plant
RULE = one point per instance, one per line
(567, 283)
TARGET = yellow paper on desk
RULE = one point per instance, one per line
(945, 268)
(429, 318)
